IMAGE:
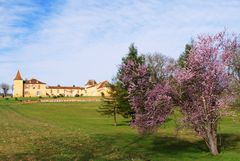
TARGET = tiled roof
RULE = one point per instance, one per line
(18, 76)
(99, 85)
(91, 82)
(63, 87)
(33, 81)
(103, 84)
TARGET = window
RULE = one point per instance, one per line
(38, 93)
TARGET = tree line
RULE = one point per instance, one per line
(202, 82)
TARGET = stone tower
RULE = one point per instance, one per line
(18, 86)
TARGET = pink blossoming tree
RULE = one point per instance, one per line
(151, 102)
(203, 83)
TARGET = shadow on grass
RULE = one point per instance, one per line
(118, 147)
(119, 124)
(229, 141)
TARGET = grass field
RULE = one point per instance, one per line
(76, 131)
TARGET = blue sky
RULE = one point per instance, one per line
(70, 41)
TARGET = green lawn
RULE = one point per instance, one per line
(76, 131)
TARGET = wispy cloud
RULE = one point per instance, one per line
(75, 40)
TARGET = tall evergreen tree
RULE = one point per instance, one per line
(132, 55)
(117, 102)
(109, 105)
(121, 90)
(182, 60)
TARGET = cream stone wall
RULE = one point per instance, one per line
(95, 91)
(18, 88)
(91, 91)
(65, 92)
(35, 90)
(105, 91)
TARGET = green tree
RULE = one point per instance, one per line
(132, 55)
(5, 87)
(234, 70)
(121, 90)
(109, 106)
(182, 60)
(117, 102)
(160, 66)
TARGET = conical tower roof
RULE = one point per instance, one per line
(18, 76)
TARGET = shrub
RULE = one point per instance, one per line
(76, 95)
(60, 95)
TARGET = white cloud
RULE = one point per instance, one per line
(86, 39)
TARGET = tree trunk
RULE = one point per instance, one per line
(115, 117)
(212, 141)
(211, 133)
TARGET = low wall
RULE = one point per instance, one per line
(70, 100)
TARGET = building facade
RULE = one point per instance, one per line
(36, 88)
